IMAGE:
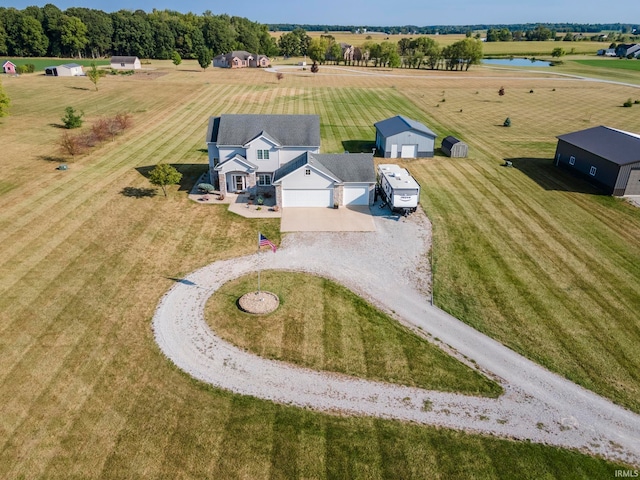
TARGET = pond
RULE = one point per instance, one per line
(516, 62)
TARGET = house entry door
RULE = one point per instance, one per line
(239, 182)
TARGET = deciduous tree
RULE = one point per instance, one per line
(204, 55)
(95, 75)
(163, 175)
(73, 35)
(176, 58)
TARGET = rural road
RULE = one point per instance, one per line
(537, 405)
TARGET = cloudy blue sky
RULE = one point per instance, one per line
(380, 12)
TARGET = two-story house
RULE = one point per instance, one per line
(280, 154)
(245, 150)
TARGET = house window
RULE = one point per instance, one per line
(307, 171)
(264, 179)
(122, 64)
(592, 172)
(572, 160)
(263, 154)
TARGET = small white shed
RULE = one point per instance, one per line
(125, 63)
(66, 70)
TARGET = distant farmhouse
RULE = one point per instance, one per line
(125, 63)
(624, 50)
(9, 67)
(401, 137)
(629, 50)
(66, 70)
(608, 157)
(280, 154)
(241, 59)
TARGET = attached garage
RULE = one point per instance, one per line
(307, 198)
(356, 194)
(326, 180)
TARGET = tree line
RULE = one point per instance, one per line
(460, 29)
(409, 53)
(90, 33)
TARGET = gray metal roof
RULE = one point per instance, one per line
(344, 167)
(399, 123)
(70, 65)
(289, 130)
(616, 146)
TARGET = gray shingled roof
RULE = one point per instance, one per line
(289, 130)
(344, 167)
(123, 59)
(613, 145)
(399, 123)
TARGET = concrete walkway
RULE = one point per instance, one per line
(537, 405)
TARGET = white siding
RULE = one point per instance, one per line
(298, 180)
(270, 165)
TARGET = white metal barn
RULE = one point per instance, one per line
(66, 70)
(401, 137)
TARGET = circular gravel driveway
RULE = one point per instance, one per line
(389, 268)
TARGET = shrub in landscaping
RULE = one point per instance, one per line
(507, 122)
(27, 68)
(628, 103)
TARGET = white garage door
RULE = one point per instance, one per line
(356, 195)
(409, 151)
(307, 198)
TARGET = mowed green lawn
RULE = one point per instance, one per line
(42, 63)
(84, 389)
(324, 326)
(618, 64)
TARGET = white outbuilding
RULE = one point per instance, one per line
(66, 70)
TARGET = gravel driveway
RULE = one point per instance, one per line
(389, 268)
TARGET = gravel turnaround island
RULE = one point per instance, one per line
(389, 268)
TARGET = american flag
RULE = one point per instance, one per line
(264, 241)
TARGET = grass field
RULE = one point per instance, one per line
(324, 326)
(530, 255)
(622, 64)
(42, 63)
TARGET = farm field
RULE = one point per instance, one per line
(535, 48)
(42, 63)
(527, 254)
(622, 64)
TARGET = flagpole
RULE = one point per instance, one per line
(258, 259)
